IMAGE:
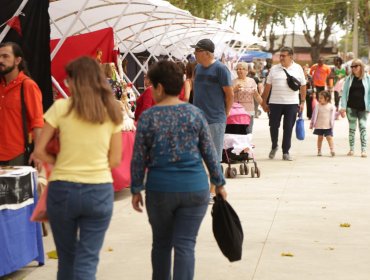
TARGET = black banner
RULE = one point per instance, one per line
(35, 41)
(15, 191)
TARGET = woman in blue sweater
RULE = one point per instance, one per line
(356, 104)
(172, 139)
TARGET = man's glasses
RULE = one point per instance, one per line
(354, 66)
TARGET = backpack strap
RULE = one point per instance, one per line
(24, 117)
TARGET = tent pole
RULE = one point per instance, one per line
(121, 15)
(17, 13)
(138, 33)
(59, 88)
(65, 35)
(56, 26)
(155, 48)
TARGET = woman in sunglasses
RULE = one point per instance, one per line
(356, 104)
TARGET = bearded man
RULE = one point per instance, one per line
(13, 78)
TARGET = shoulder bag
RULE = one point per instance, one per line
(293, 83)
(28, 142)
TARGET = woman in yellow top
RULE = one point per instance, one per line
(80, 195)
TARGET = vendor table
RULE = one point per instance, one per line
(20, 239)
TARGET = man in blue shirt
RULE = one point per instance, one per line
(213, 92)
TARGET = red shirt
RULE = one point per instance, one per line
(11, 127)
(144, 102)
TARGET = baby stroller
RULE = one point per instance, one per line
(238, 147)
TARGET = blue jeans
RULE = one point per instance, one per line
(217, 133)
(175, 219)
(79, 216)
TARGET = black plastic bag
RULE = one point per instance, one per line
(227, 229)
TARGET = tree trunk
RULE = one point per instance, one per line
(315, 54)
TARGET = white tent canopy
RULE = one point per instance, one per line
(155, 26)
(140, 25)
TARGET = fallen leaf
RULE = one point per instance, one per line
(287, 254)
(345, 225)
(110, 249)
(52, 255)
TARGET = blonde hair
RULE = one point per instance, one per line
(92, 97)
(358, 61)
(243, 65)
(107, 69)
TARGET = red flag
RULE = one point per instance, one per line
(15, 23)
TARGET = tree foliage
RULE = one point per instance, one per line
(325, 18)
(364, 20)
(207, 9)
(269, 14)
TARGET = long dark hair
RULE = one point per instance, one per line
(17, 51)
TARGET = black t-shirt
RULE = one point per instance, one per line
(356, 98)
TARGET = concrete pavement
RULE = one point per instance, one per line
(294, 208)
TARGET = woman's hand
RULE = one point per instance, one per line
(222, 192)
(238, 87)
(137, 202)
(265, 107)
(342, 113)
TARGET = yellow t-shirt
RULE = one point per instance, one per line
(83, 156)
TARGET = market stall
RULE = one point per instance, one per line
(20, 239)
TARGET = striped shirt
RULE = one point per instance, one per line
(280, 91)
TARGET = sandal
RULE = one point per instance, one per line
(350, 153)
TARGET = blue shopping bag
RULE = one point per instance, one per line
(299, 127)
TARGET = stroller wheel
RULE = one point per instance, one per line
(252, 172)
(258, 172)
(241, 169)
(246, 169)
(233, 172)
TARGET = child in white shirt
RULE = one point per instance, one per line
(322, 121)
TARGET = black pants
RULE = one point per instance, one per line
(336, 99)
(19, 160)
(309, 100)
(289, 111)
(318, 89)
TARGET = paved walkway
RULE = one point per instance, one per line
(294, 208)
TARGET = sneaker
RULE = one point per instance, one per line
(287, 157)
(273, 153)
(363, 154)
(350, 153)
(332, 153)
(319, 154)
